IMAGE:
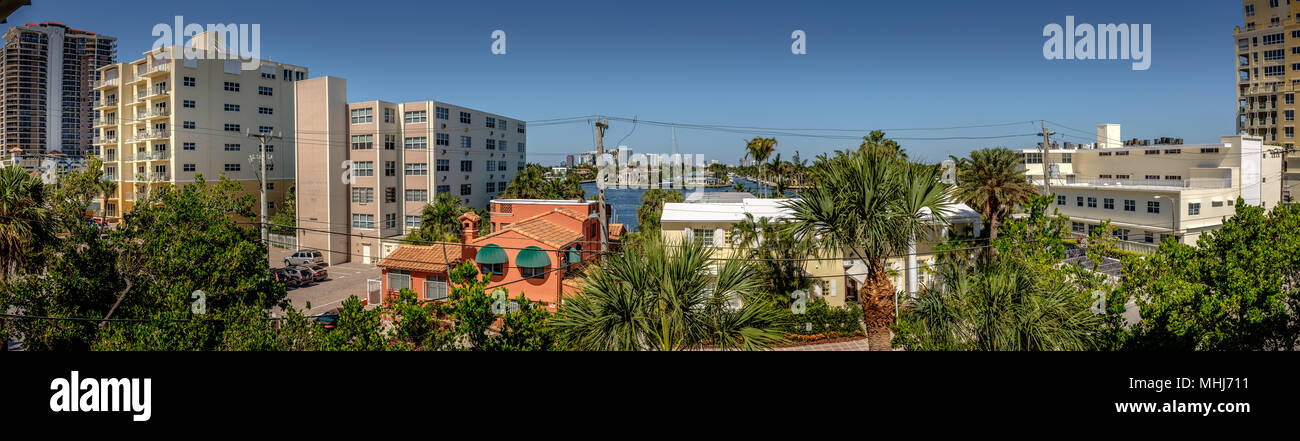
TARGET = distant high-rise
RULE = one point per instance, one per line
(1268, 77)
(47, 71)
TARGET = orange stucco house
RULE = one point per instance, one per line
(537, 249)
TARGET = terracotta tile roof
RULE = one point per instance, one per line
(615, 231)
(425, 258)
(570, 213)
(548, 233)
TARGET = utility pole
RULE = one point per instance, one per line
(1047, 172)
(1284, 151)
(601, 125)
(261, 167)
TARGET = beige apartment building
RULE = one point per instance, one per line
(46, 71)
(1268, 77)
(367, 169)
(1153, 191)
(165, 119)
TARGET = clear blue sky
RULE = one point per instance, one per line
(869, 64)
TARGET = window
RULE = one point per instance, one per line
(491, 144)
(1078, 201)
(231, 87)
(231, 167)
(1194, 209)
(1121, 153)
(1273, 39)
(501, 124)
(1153, 177)
(1153, 207)
(490, 122)
(232, 147)
(1130, 205)
(1210, 150)
(1077, 227)
(188, 167)
(363, 195)
(443, 165)
(268, 75)
(416, 143)
(1290, 97)
(265, 91)
(1216, 203)
(501, 166)
(519, 166)
(1120, 233)
(1173, 151)
(265, 130)
(1151, 152)
(416, 169)
(521, 147)
(1148, 237)
(413, 222)
(415, 116)
(467, 166)
(491, 165)
(362, 116)
(390, 142)
(493, 268)
(442, 113)
(1274, 55)
(1173, 178)
(704, 236)
(188, 146)
(232, 107)
(363, 168)
(188, 104)
(265, 111)
(519, 127)
(464, 118)
(417, 196)
(466, 189)
(532, 273)
(363, 142)
(388, 115)
(1250, 10)
(1092, 202)
(1290, 115)
(364, 221)
(189, 81)
(233, 128)
(1033, 158)
(1108, 204)
(390, 168)
(390, 195)
(491, 187)
(442, 139)
(444, 189)
(1060, 200)
(464, 142)
(1274, 71)
(188, 125)
(435, 288)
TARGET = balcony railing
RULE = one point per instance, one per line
(1121, 183)
(104, 83)
(105, 103)
(106, 140)
(105, 121)
(160, 176)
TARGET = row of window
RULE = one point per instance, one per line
(366, 115)
(367, 168)
(367, 142)
(1153, 207)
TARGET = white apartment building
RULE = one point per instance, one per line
(164, 119)
(397, 157)
(1150, 192)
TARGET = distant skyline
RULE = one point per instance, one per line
(868, 66)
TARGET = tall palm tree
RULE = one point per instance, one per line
(439, 220)
(993, 182)
(664, 297)
(872, 205)
(759, 149)
(26, 223)
(876, 140)
(999, 305)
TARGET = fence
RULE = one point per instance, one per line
(289, 241)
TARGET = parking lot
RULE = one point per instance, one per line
(346, 279)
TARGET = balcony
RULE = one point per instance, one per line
(160, 176)
(151, 114)
(155, 93)
(154, 70)
(112, 102)
(100, 122)
(111, 82)
(106, 140)
(1118, 184)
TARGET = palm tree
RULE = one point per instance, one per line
(876, 140)
(664, 297)
(26, 224)
(652, 207)
(533, 183)
(999, 305)
(993, 182)
(871, 204)
(439, 220)
(759, 149)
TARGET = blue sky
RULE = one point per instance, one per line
(869, 64)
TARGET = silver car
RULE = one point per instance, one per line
(305, 257)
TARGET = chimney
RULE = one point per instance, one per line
(468, 227)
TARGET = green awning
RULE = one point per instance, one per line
(575, 256)
(490, 254)
(532, 257)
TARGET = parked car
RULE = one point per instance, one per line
(317, 273)
(305, 257)
(301, 275)
(283, 276)
(327, 320)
